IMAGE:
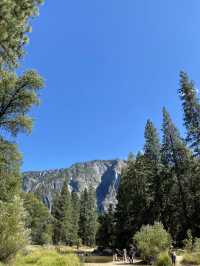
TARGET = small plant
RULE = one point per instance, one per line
(163, 259)
(191, 259)
(151, 240)
(188, 242)
(196, 246)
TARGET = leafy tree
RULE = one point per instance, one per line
(152, 239)
(191, 109)
(17, 96)
(106, 231)
(13, 236)
(14, 28)
(38, 219)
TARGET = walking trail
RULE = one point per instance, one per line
(123, 264)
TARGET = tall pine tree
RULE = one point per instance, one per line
(175, 184)
(191, 109)
(88, 217)
(61, 211)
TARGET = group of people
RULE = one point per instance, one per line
(129, 256)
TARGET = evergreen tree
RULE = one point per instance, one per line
(38, 220)
(106, 230)
(153, 164)
(133, 201)
(88, 217)
(176, 159)
(191, 109)
(75, 216)
(152, 142)
(61, 211)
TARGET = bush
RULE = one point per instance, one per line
(163, 259)
(13, 236)
(191, 259)
(47, 258)
(152, 240)
(188, 242)
(196, 247)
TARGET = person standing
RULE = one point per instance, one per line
(124, 255)
(173, 258)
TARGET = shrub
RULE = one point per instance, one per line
(13, 236)
(196, 247)
(151, 240)
(163, 259)
(191, 259)
(188, 242)
(47, 258)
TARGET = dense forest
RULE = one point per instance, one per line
(161, 184)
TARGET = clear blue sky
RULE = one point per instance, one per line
(109, 65)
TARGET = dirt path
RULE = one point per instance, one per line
(179, 258)
(107, 264)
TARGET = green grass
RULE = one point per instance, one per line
(163, 259)
(191, 259)
(45, 257)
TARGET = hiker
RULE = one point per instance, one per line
(173, 258)
(132, 253)
(115, 255)
(124, 255)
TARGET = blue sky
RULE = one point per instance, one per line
(109, 65)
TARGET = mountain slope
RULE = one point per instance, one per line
(101, 175)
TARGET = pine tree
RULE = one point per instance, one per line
(88, 217)
(38, 220)
(75, 217)
(61, 211)
(153, 164)
(106, 229)
(191, 109)
(176, 159)
(152, 142)
(133, 201)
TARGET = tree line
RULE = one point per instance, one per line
(72, 221)
(161, 184)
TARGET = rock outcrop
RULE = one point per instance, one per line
(103, 176)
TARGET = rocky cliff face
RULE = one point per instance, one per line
(102, 175)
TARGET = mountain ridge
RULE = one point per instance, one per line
(102, 175)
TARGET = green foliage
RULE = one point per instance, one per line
(10, 161)
(47, 258)
(106, 233)
(188, 242)
(196, 246)
(151, 240)
(17, 96)
(75, 216)
(88, 217)
(13, 236)
(163, 259)
(62, 210)
(191, 259)
(191, 108)
(14, 27)
(38, 220)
